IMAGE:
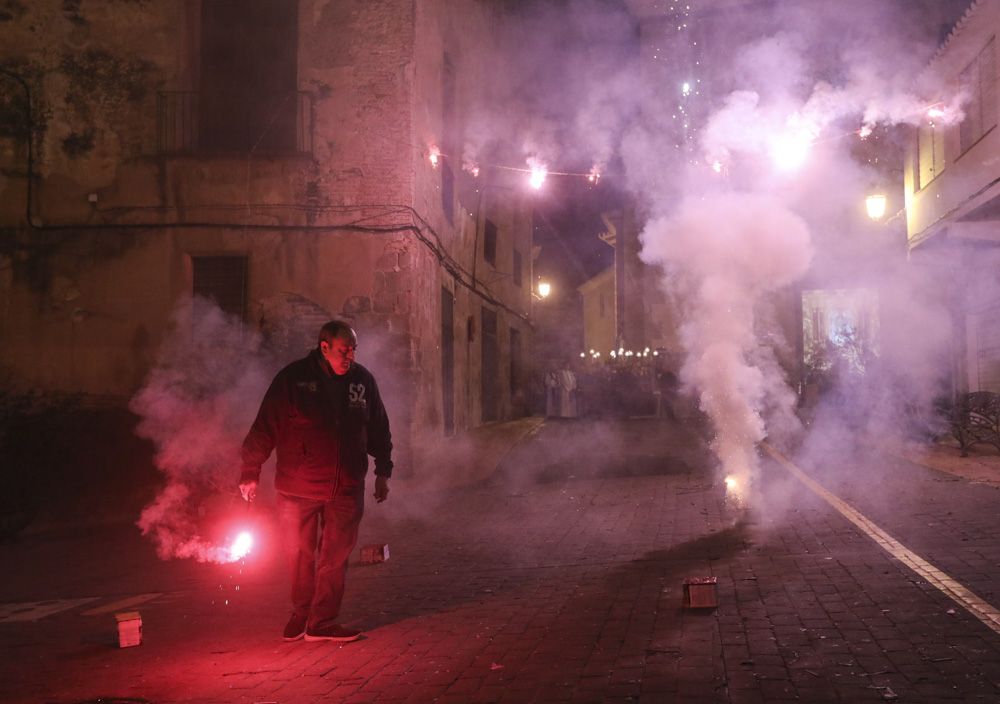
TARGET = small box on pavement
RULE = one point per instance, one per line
(371, 554)
(701, 592)
(129, 628)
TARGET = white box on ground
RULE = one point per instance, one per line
(129, 628)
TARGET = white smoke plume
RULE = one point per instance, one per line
(779, 113)
(731, 250)
(196, 406)
(787, 96)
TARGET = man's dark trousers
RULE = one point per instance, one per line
(318, 571)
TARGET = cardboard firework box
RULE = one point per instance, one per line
(701, 592)
(372, 554)
(129, 628)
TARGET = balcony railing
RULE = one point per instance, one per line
(204, 123)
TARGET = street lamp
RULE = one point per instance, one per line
(544, 289)
(875, 205)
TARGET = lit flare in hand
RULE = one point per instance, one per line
(241, 546)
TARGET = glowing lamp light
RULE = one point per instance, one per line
(595, 174)
(537, 177)
(935, 113)
(241, 546)
(544, 289)
(717, 166)
(434, 155)
(686, 88)
(875, 205)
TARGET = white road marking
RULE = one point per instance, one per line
(974, 604)
(35, 610)
(121, 604)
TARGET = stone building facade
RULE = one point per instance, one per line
(271, 155)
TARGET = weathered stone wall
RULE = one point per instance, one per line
(465, 32)
(598, 303)
(89, 285)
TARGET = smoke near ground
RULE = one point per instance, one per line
(740, 131)
(196, 407)
(729, 251)
(755, 196)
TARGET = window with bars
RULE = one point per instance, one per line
(248, 76)
(222, 279)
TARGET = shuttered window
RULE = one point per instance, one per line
(988, 349)
(931, 153)
(490, 242)
(980, 79)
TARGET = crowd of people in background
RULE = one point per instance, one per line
(616, 385)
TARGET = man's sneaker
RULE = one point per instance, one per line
(334, 632)
(295, 628)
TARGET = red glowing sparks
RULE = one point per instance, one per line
(241, 546)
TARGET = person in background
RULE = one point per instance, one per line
(324, 416)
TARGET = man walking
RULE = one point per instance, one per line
(325, 416)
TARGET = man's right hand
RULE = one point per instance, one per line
(248, 490)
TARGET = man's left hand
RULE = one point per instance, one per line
(381, 489)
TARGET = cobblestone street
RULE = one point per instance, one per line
(559, 578)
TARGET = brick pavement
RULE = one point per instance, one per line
(982, 465)
(557, 580)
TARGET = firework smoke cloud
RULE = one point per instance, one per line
(196, 406)
(731, 251)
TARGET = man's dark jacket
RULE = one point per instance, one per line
(324, 426)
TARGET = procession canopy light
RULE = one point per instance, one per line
(875, 205)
